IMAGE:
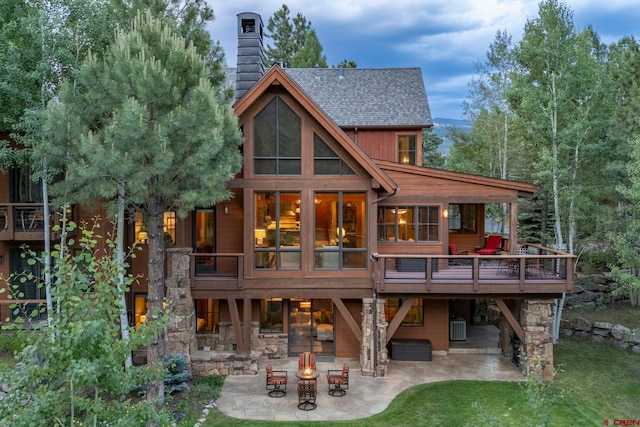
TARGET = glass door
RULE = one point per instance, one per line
(311, 327)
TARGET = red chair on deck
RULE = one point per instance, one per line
(491, 246)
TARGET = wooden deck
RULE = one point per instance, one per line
(545, 273)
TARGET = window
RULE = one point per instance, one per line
(415, 316)
(340, 230)
(142, 235)
(407, 149)
(27, 284)
(203, 237)
(140, 309)
(463, 219)
(277, 230)
(207, 315)
(399, 223)
(325, 161)
(277, 140)
(271, 315)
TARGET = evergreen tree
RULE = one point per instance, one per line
(295, 42)
(145, 120)
(431, 157)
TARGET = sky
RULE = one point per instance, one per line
(445, 38)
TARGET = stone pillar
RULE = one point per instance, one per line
(374, 360)
(536, 353)
(181, 330)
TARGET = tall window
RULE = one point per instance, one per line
(203, 237)
(341, 230)
(207, 315)
(415, 316)
(463, 219)
(409, 223)
(277, 230)
(271, 318)
(325, 161)
(277, 140)
(27, 282)
(23, 188)
(407, 149)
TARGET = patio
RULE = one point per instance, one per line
(245, 396)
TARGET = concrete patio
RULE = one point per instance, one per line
(245, 396)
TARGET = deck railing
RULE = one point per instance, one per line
(23, 221)
(539, 270)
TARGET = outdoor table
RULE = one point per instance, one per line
(307, 374)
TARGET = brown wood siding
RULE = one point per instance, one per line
(347, 345)
(436, 325)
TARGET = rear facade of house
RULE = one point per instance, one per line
(336, 241)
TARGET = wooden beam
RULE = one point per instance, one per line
(513, 228)
(348, 318)
(246, 326)
(397, 319)
(235, 321)
(510, 318)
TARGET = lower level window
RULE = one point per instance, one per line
(207, 315)
(271, 315)
(415, 316)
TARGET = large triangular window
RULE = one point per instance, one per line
(277, 140)
(326, 161)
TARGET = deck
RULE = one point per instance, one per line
(540, 271)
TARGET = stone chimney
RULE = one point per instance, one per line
(250, 54)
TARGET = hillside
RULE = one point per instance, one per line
(441, 127)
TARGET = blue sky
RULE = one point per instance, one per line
(442, 37)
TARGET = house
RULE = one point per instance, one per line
(337, 239)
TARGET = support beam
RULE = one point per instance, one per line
(513, 228)
(235, 321)
(510, 318)
(348, 318)
(246, 327)
(402, 311)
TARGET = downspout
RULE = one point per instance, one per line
(376, 340)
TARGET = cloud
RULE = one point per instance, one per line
(443, 37)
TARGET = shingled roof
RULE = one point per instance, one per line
(367, 96)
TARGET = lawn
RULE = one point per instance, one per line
(593, 383)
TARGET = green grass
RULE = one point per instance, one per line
(593, 383)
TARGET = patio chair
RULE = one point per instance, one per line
(491, 246)
(338, 381)
(276, 382)
(307, 361)
(307, 394)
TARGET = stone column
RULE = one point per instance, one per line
(181, 330)
(374, 360)
(536, 353)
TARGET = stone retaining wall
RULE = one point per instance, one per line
(602, 332)
(206, 363)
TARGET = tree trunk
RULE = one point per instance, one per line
(155, 295)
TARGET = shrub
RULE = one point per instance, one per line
(12, 342)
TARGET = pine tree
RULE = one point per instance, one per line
(145, 119)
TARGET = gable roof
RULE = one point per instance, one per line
(367, 96)
(277, 77)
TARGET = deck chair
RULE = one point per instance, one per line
(491, 246)
(307, 394)
(276, 382)
(454, 251)
(307, 361)
(338, 381)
